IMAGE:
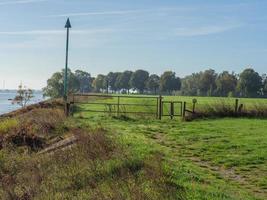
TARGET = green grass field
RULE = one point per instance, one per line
(148, 105)
(211, 159)
(131, 157)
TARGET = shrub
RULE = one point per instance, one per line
(31, 129)
(6, 125)
(225, 109)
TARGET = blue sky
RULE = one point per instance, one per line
(115, 35)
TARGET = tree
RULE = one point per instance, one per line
(190, 85)
(85, 81)
(99, 83)
(265, 85)
(23, 96)
(110, 81)
(123, 81)
(250, 83)
(55, 85)
(169, 82)
(226, 83)
(138, 80)
(153, 83)
(207, 84)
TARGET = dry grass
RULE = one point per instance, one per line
(96, 168)
(224, 109)
(49, 104)
(31, 129)
(95, 145)
(41, 121)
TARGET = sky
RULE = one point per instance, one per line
(184, 36)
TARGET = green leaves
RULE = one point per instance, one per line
(24, 95)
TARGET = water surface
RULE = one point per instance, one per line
(6, 104)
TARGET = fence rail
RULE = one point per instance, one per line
(158, 107)
(117, 104)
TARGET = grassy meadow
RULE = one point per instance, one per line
(229, 154)
(132, 157)
(148, 105)
(209, 159)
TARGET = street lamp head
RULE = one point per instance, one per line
(68, 25)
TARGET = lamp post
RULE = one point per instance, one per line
(67, 26)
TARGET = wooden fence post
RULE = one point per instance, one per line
(157, 109)
(236, 105)
(160, 107)
(118, 108)
(67, 109)
(184, 110)
(172, 110)
(194, 105)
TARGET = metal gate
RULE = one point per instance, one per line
(172, 109)
(127, 105)
(116, 104)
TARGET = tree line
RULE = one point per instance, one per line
(248, 83)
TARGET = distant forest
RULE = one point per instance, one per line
(248, 83)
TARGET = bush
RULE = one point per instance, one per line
(96, 168)
(31, 129)
(224, 109)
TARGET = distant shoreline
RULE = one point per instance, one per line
(42, 104)
(6, 97)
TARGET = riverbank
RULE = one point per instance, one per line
(6, 97)
(43, 104)
(103, 157)
(40, 148)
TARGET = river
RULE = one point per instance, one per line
(6, 104)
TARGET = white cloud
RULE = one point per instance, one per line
(204, 30)
(124, 12)
(157, 10)
(118, 12)
(55, 38)
(54, 32)
(20, 2)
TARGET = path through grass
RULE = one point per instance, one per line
(213, 159)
